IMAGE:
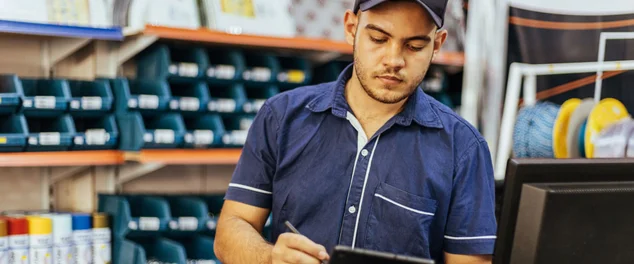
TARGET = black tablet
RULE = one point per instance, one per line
(347, 255)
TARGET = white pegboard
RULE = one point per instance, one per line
(320, 18)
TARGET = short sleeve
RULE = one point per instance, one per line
(471, 224)
(251, 180)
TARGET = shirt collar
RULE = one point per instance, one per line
(418, 108)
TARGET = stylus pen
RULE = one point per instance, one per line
(294, 230)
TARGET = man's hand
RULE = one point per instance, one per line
(294, 249)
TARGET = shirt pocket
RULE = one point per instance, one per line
(399, 222)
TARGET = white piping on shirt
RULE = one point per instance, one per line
(365, 181)
(403, 206)
(249, 188)
(470, 238)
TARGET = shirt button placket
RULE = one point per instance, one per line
(355, 198)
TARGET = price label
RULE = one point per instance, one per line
(148, 101)
(245, 123)
(50, 139)
(164, 136)
(91, 103)
(45, 102)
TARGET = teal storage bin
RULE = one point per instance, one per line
(214, 204)
(225, 65)
(261, 68)
(203, 131)
(329, 72)
(189, 98)
(45, 97)
(50, 133)
(294, 72)
(126, 251)
(13, 133)
(150, 132)
(150, 250)
(237, 129)
(190, 213)
(175, 63)
(198, 248)
(226, 98)
(150, 97)
(257, 96)
(137, 215)
(11, 93)
(90, 98)
(95, 133)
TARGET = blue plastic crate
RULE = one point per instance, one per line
(150, 250)
(90, 98)
(137, 215)
(45, 97)
(11, 93)
(174, 63)
(50, 133)
(197, 248)
(150, 97)
(236, 130)
(150, 132)
(294, 72)
(225, 65)
(95, 133)
(261, 68)
(203, 131)
(190, 213)
(257, 96)
(189, 98)
(13, 133)
(226, 98)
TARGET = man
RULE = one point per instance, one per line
(368, 161)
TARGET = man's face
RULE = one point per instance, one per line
(393, 47)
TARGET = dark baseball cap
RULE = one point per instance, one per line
(436, 8)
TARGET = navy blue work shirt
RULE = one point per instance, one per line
(423, 184)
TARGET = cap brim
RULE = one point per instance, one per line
(372, 3)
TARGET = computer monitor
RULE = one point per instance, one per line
(538, 175)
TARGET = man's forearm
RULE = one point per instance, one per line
(238, 242)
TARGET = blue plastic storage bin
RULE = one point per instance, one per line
(150, 97)
(144, 132)
(45, 97)
(11, 93)
(190, 213)
(197, 248)
(175, 63)
(203, 131)
(329, 72)
(225, 65)
(50, 133)
(226, 98)
(90, 98)
(13, 133)
(189, 98)
(137, 215)
(150, 250)
(294, 72)
(261, 68)
(95, 133)
(256, 96)
(236, 130)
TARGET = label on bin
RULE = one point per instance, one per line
(203, 137)
(149, 223)
(245, 123)
(187, 223)
(164, 136)
(132, 103)
(258, 74)
(184, 69)
(291, 76)
(189, 104)
(225, 72)
(74, 104)
(91, 103)
(49, 139)
(173, 104)
(45, 102)
(97, 136)
(225, 105)
(147, 101)
(254, 106)
(237, 137)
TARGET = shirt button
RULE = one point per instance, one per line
(364, 152)
(352, 209)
